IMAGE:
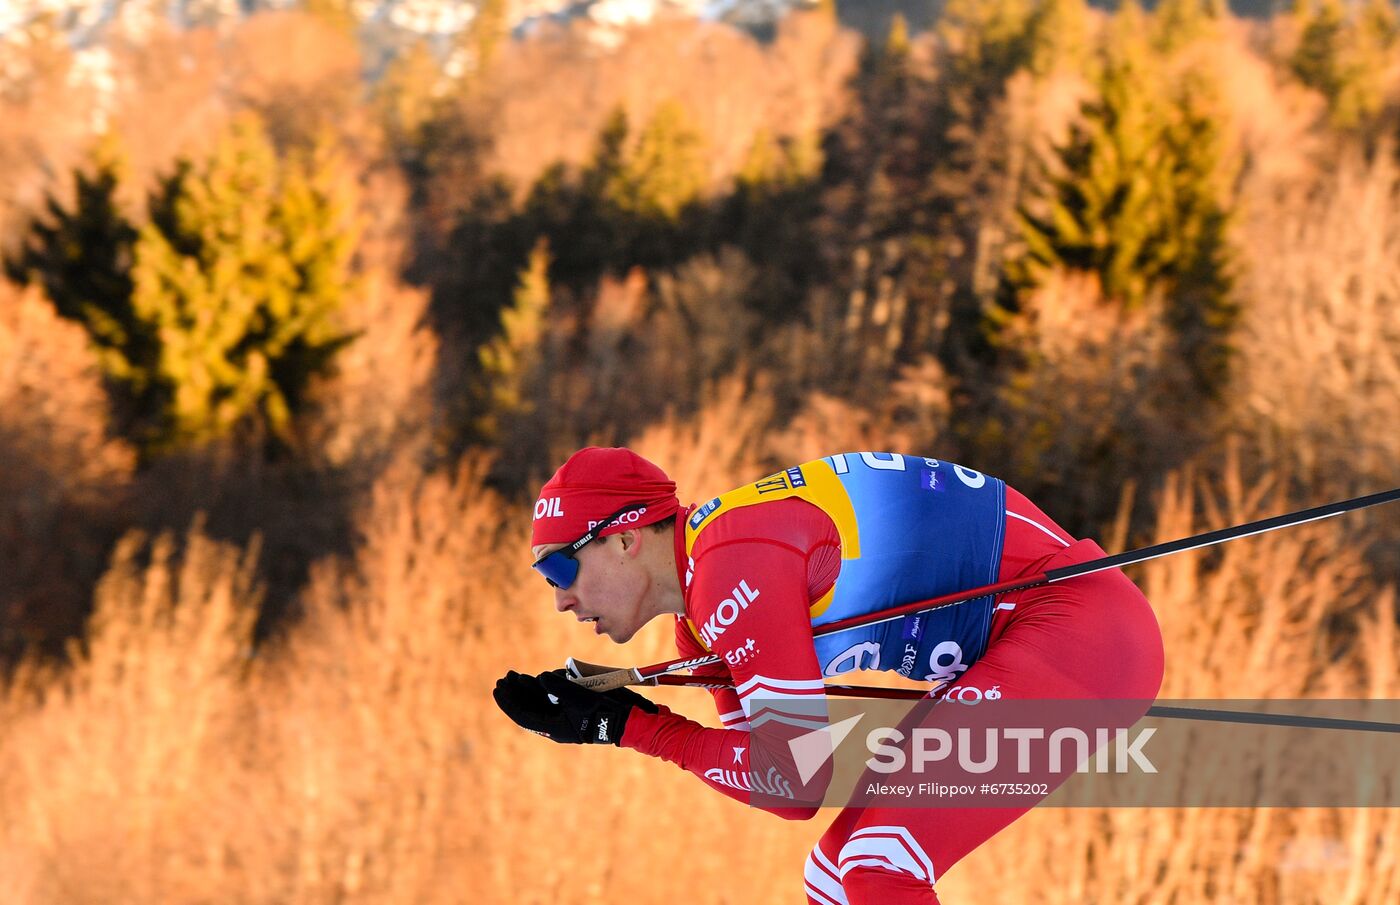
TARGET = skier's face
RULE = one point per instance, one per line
(610, 585)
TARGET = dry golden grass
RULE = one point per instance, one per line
(118, 773)
(1319, 386)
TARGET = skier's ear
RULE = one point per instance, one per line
(631, 541)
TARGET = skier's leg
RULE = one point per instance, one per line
(882, 861)
(821, 877)
(865, 886)
(882, 881)
(1092, 638)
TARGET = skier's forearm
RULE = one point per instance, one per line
(683, 742)
(720, 757)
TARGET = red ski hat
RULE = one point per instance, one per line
(594, 484)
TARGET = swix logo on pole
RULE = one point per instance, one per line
(548, 507)
(728, 610)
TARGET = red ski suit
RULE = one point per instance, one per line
(1094, 637)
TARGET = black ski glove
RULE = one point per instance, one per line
(550, 704)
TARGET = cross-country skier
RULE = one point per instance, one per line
(749, 574)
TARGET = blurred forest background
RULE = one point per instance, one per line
(291, 326)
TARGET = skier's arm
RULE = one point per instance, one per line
(752, 609)
(731, 712)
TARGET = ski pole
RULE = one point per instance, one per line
(1164, 712)
(643, 675)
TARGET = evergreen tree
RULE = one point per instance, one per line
(607, 172)
(666, 169)
(1058, 36)
(1106, 206)
(488, 244)
(1345, 58)
(1377, 25)
(897, 40)
(761, 164)
(240, 272)
(664, 176)
(770, 215)
(1366, 55)
(774, 164)
(83, 258)
(1136, 196)
(876, 159)
(508, 361)
(1177, 23)
(1316, 61)
(635, 204)
(1201, 307)
(988, 40)
(973, 188)
(582, 214)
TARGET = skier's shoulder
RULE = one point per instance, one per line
(725, 521)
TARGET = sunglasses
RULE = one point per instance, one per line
(560, 568)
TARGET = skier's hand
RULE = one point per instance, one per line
(551, 705)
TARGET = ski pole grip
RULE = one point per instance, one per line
(577, 668)
(607, 681)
